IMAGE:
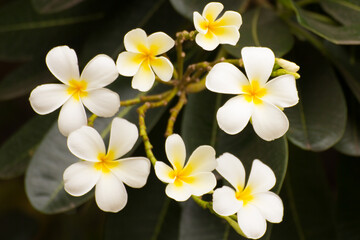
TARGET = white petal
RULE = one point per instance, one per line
(110, 193)
(287, 65)
(102, 102)
(270, 206)
(128, 63)
(202, 160)
(123, 136)
(160, 43)
(231, 168)
(99, 72)
(258, 63)
(212, 11)
(202, 183)
(47, 98)
(207, 41)
(175, 151)
(63, 63)
(234, 115)
(225, 202)
(136, 41)
(132, 171)
(80, 178)
(281, 91)
(162, 68)
(251, 222)
(230, 18)
(72, 116)
(227, 35)
(179, 193)
(225, 78)
(269, 122)
(261, 178)
(163, 172)
(144, 78)
(200, 23)
(86, 143)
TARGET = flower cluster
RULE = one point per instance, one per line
(258, 100)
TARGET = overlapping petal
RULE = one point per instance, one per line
(202, 183)
(230, 18)
(258, 63)
(251, 221)
(201, 160)
(226, 78)
(99, 72)
(270, 206)
(132, 171)
(110, 193)
(123, 136)
(102, 102)
(231, 168)
(144, 78)
(160, 43)
(47, 98)
(269, 122)
(128, 63)
(200, 23)
(281, 91)
(163, 172)
(175, 151)
(86, 143)
(136, 41)
(178, 192)
(261, 178)
(234, 115)
(72, 116)
(227, 34)
(80, 178)
(63, 63)
(225, 202)
(212, 10)
(208, 41)
(162, 68)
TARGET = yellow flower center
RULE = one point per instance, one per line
(181, 175)
(106, 162)
(77, 88)
(244, 195)
(253, 92)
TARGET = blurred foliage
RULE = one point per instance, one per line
(316, 163)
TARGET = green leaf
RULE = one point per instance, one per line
(348, 34)
(343, 11)
(16, 152)
(44, 176)
(262, 27)
(25, 33)
(308, 203)
(318, 121)
(52, 6)
(200, 127)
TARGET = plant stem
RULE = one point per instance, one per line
(174, 112)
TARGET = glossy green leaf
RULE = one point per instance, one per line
(200, 127)
(347, 34)
(308, 203)
(44, 176)
(262, 27)
(318, 121)
(16, 152)
(52, 6)
(187, 7)
(345, 12)
(25, 33)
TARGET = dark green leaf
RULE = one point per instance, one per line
(318, 121)
(308, 203)
(44, 176)
(52, 6)
(187, 7)
(348, 34)
(343, 11)
(16, 152)
(262, 27)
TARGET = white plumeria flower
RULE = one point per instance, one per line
(253, 203)
(105, 170)
(76, 90)
(140, 59)
(257, 99)
(195, 178)
(213, 30)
